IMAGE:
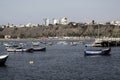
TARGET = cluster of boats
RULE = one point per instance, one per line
(21, 48)
(16, 48)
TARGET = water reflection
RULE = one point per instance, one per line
(3, 66)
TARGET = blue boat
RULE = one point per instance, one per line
(98, 52)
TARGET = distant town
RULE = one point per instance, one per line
(54, 21)
(60, 28)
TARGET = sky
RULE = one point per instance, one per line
(34, 11)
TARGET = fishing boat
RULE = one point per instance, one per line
(35, 43)
(39, 49)
(98, 52)
(7, 44)
(3, 59)
(16, 49)
(36, 49)
(106, 51)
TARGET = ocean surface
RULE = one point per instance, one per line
(59, 62)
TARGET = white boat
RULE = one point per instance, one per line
(7, 44)
(35, 43)
(3, 59)
(96, 43)
(62, 42)
(16, 49)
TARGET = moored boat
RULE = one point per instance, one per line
(16, 49)
(36, 49)
(98, 52)
(3, 59)
(106, 51)
(39, 49)
(35, 43)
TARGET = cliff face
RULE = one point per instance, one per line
(63, 30)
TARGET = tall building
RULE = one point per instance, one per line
(46, 22)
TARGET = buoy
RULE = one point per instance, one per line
(31, 62)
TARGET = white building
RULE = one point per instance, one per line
(46, 22)
(115, 22)
(55, 21)
(64, 21)
(7, 36)
(29, 25)
(21, 25)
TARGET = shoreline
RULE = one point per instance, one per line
(53, 38)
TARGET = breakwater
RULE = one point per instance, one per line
(107, 42)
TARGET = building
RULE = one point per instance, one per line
(7, 37)
(115, 22)
(46, 22)
(55, 21)
(64, 21)
(29, 25)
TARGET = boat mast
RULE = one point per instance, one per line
(98, 34)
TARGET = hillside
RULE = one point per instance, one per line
(62, 30)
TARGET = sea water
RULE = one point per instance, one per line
(60, 62)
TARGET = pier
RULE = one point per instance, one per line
(107, 42)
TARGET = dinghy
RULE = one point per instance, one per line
(3, 59)
(98, 52)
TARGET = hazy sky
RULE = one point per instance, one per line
(25, 11)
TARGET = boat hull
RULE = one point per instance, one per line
(16, 50)
(98, 52)
(3, 59)
(94, 53)
(36, 49)
(39, 49)
(106, 51)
